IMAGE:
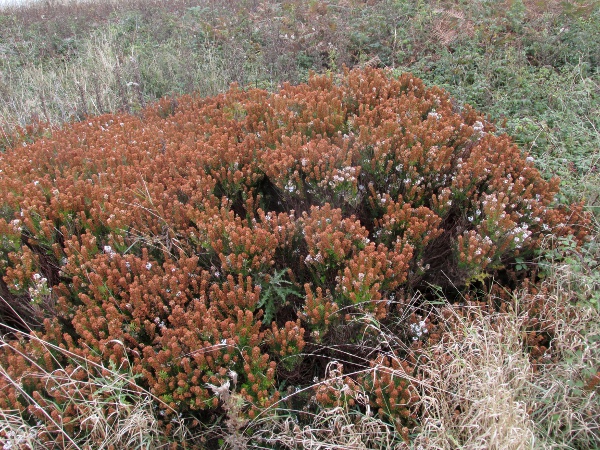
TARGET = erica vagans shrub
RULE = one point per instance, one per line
(250, 234)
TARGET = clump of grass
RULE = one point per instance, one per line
(565, 396)
(474, 385)
(331, 428)
(482, 390)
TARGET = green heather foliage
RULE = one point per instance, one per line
(251, 238)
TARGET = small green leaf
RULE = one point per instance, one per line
(274, 293)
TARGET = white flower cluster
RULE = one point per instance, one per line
(16, 225)
(418, 330)
(414, 182)
(39, 289)
(346, 174)
(520, 234)
(317, 259)
(290, 187)
(160, 323)
(478, 128)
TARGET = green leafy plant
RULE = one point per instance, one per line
(274, 293)
(577, 266)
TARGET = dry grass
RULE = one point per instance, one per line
(475, 387)
(60, 93)
(334, 428)
(450, 25)
(100, 80)
(103, 74)
(482, 391)
(565, 403)
(132, 427)
(111, 412)
(566, 395)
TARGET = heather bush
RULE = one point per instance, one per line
(532, 66)
(248, 238)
